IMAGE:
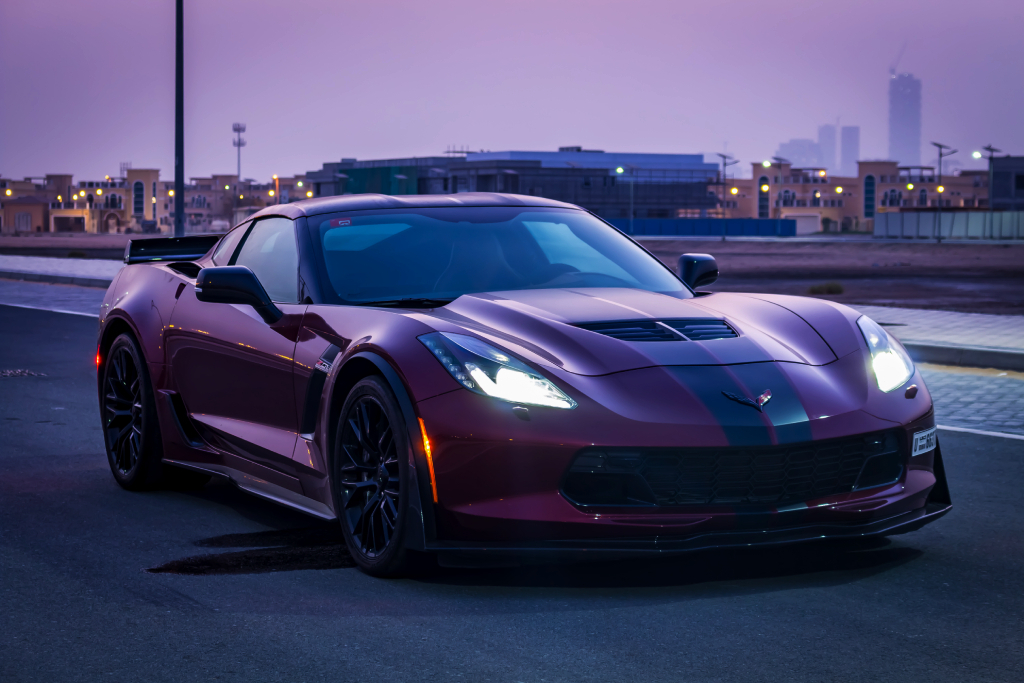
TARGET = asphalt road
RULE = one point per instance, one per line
(941, 604)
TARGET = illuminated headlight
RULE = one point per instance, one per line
(890, 362)
(487, 370)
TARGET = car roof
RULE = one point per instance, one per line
(363, 202)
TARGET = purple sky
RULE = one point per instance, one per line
(88, 85)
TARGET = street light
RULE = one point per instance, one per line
(910, 186)
(976, 154)
(734, 190)
(8, 193)
(839, 190)
(99, 191)
(940, 189)
(764, 188)
(309, 193)
(766, 163)
(991, 153)
(943, 153)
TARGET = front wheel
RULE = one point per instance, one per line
(370, 478)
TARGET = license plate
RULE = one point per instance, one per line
(924, 442)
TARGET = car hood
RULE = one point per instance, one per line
(542, 326)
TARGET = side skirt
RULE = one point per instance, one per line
(261, 487)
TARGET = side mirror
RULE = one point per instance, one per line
(236, 285)
(698, 270)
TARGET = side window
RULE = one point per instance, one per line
(270, 252)
(227, 245)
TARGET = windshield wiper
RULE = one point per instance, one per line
(413, 302)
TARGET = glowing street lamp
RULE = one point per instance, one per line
(271, 193)
(940, 189)
(910, 186)
(8, 193)
(620, 170)
(99, 191)
(766, 164)
(764, 188)
(300, 183)
(735, 190)
(309, 193)
(170, 193)
(227, 187)
(839, 190)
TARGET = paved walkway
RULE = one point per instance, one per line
(949, 327)
(64, 267)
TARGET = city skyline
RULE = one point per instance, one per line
(401, 78)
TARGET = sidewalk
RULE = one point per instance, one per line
(66, 271)
(951, 338)
(943, 337)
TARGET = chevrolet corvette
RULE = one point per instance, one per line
(489, 378)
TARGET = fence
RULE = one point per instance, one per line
(956, 225)
(712, 227)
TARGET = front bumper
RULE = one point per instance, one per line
(500, 474)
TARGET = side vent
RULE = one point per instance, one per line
(634, 331)
(702, 329)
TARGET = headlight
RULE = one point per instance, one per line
(890, 362)
(482, 368)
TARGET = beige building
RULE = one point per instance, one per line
(137, 202)
(819, 201)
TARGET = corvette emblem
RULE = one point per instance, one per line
(757, 403)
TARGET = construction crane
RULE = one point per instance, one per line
(896, 62)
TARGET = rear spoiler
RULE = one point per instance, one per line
(169, 248)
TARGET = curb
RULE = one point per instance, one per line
(967, 356)
(56, 279)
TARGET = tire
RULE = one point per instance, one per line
(370, 479)
(131, 431)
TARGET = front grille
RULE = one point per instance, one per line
(694, 329)
(756, 477)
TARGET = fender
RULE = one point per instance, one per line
(421, 529)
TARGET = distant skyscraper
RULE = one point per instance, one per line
(904, 119)
(849, 137)
(802, 153)
(827, 145)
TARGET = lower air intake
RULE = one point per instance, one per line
(753, 477)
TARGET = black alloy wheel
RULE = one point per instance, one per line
(130, 427)
(370, 468)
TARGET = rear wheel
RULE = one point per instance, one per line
(128, 410)
(370, 475)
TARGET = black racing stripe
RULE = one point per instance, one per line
(785, 410)
(742, 425)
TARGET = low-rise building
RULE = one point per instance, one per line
(609, 184)
(819, 201)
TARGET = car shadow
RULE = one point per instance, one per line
(294, 544)
(800, 565)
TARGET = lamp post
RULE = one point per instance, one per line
(942, 155)
(179, 125)
(620, 171)
(727, 161)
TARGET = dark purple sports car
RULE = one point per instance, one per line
(489, 378)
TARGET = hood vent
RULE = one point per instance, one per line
(633, 330)
(693, 329)
(702, 330)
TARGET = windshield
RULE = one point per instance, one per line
(445, 253)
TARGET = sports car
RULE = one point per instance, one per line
(492, 378)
